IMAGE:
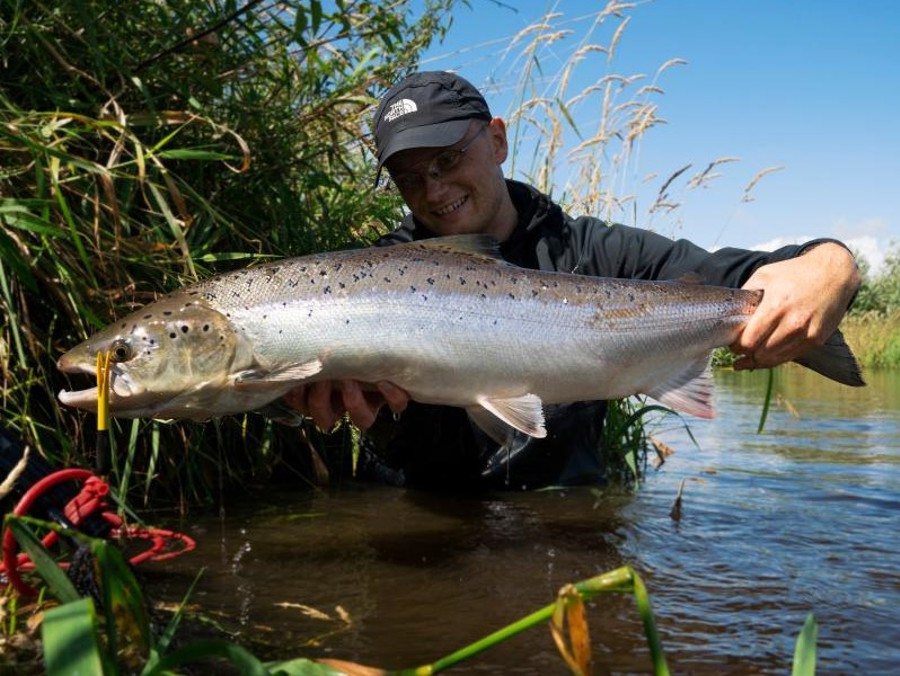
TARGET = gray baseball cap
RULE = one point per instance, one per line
(429, 109)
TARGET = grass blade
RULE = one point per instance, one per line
(71, 641)
(805, 652)
(56, 579)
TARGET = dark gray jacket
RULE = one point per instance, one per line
(437, 447)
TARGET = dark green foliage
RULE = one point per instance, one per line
(144, 144)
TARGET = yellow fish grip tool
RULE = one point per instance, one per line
(101, 450)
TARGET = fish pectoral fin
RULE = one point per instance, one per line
(524, 413)
(690, 391)
(292, 373)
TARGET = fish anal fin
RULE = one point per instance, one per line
(689, 391)
(292, 373)
(524, 413)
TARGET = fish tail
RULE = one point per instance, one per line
(834, 360)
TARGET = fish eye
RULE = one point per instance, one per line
(120, 351)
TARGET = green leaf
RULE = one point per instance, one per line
(71, 641)
(128, 625)
(805, 651)
(191, 154)
(56, 579)
(197, 651)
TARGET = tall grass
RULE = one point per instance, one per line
(143, 145)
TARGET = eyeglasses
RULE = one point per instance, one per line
(441, 165)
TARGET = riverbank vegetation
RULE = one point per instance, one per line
(146, 149)
(146, 145)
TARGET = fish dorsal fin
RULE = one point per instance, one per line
(524, 413)
(482, 245)
(690, 391)
(292, 373)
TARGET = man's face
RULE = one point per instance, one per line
(469, 197)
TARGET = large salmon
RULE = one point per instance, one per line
(445, 319)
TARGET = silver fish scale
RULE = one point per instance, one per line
(439, 321)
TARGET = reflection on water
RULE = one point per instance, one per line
(802, 518)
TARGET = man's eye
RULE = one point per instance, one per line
(447, 160)
(406, 181)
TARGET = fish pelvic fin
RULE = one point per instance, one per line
(496, 415)
(834, 360)
(262, 378)
(690, 391)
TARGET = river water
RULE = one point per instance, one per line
(803, 518)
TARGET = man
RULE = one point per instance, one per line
(443, 149)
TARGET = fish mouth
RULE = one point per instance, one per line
(123, 392)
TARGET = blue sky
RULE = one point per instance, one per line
(810, 87)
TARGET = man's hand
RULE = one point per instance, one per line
(804, 300)
(326, 401)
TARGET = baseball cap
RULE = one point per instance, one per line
(429, 109)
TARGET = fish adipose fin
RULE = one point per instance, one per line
(293, 373)
(496, 416)
(834, 360)
(689, 391)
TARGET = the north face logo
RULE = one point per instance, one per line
(398, 108)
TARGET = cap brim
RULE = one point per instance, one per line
(427, 136)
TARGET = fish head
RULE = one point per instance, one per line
(165, 360)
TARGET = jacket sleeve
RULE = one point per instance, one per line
(627, 252)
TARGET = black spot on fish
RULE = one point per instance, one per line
(185, 328)
(484, 296)
(173, 335)
(412, 289)
(327, 289)
(293, 283)
(534, 293)
(630, 297)
(511, 295)
(462, 281)
(323, 273)
(424, 297)
(430, 281)
(167, 312)
(342, 285)
(387, 279)
(147, 316)
(205, 328)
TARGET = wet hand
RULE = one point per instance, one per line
(326, 401)
(804, 300)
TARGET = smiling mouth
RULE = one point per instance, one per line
(453, 206)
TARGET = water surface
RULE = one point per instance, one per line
(802, 518)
